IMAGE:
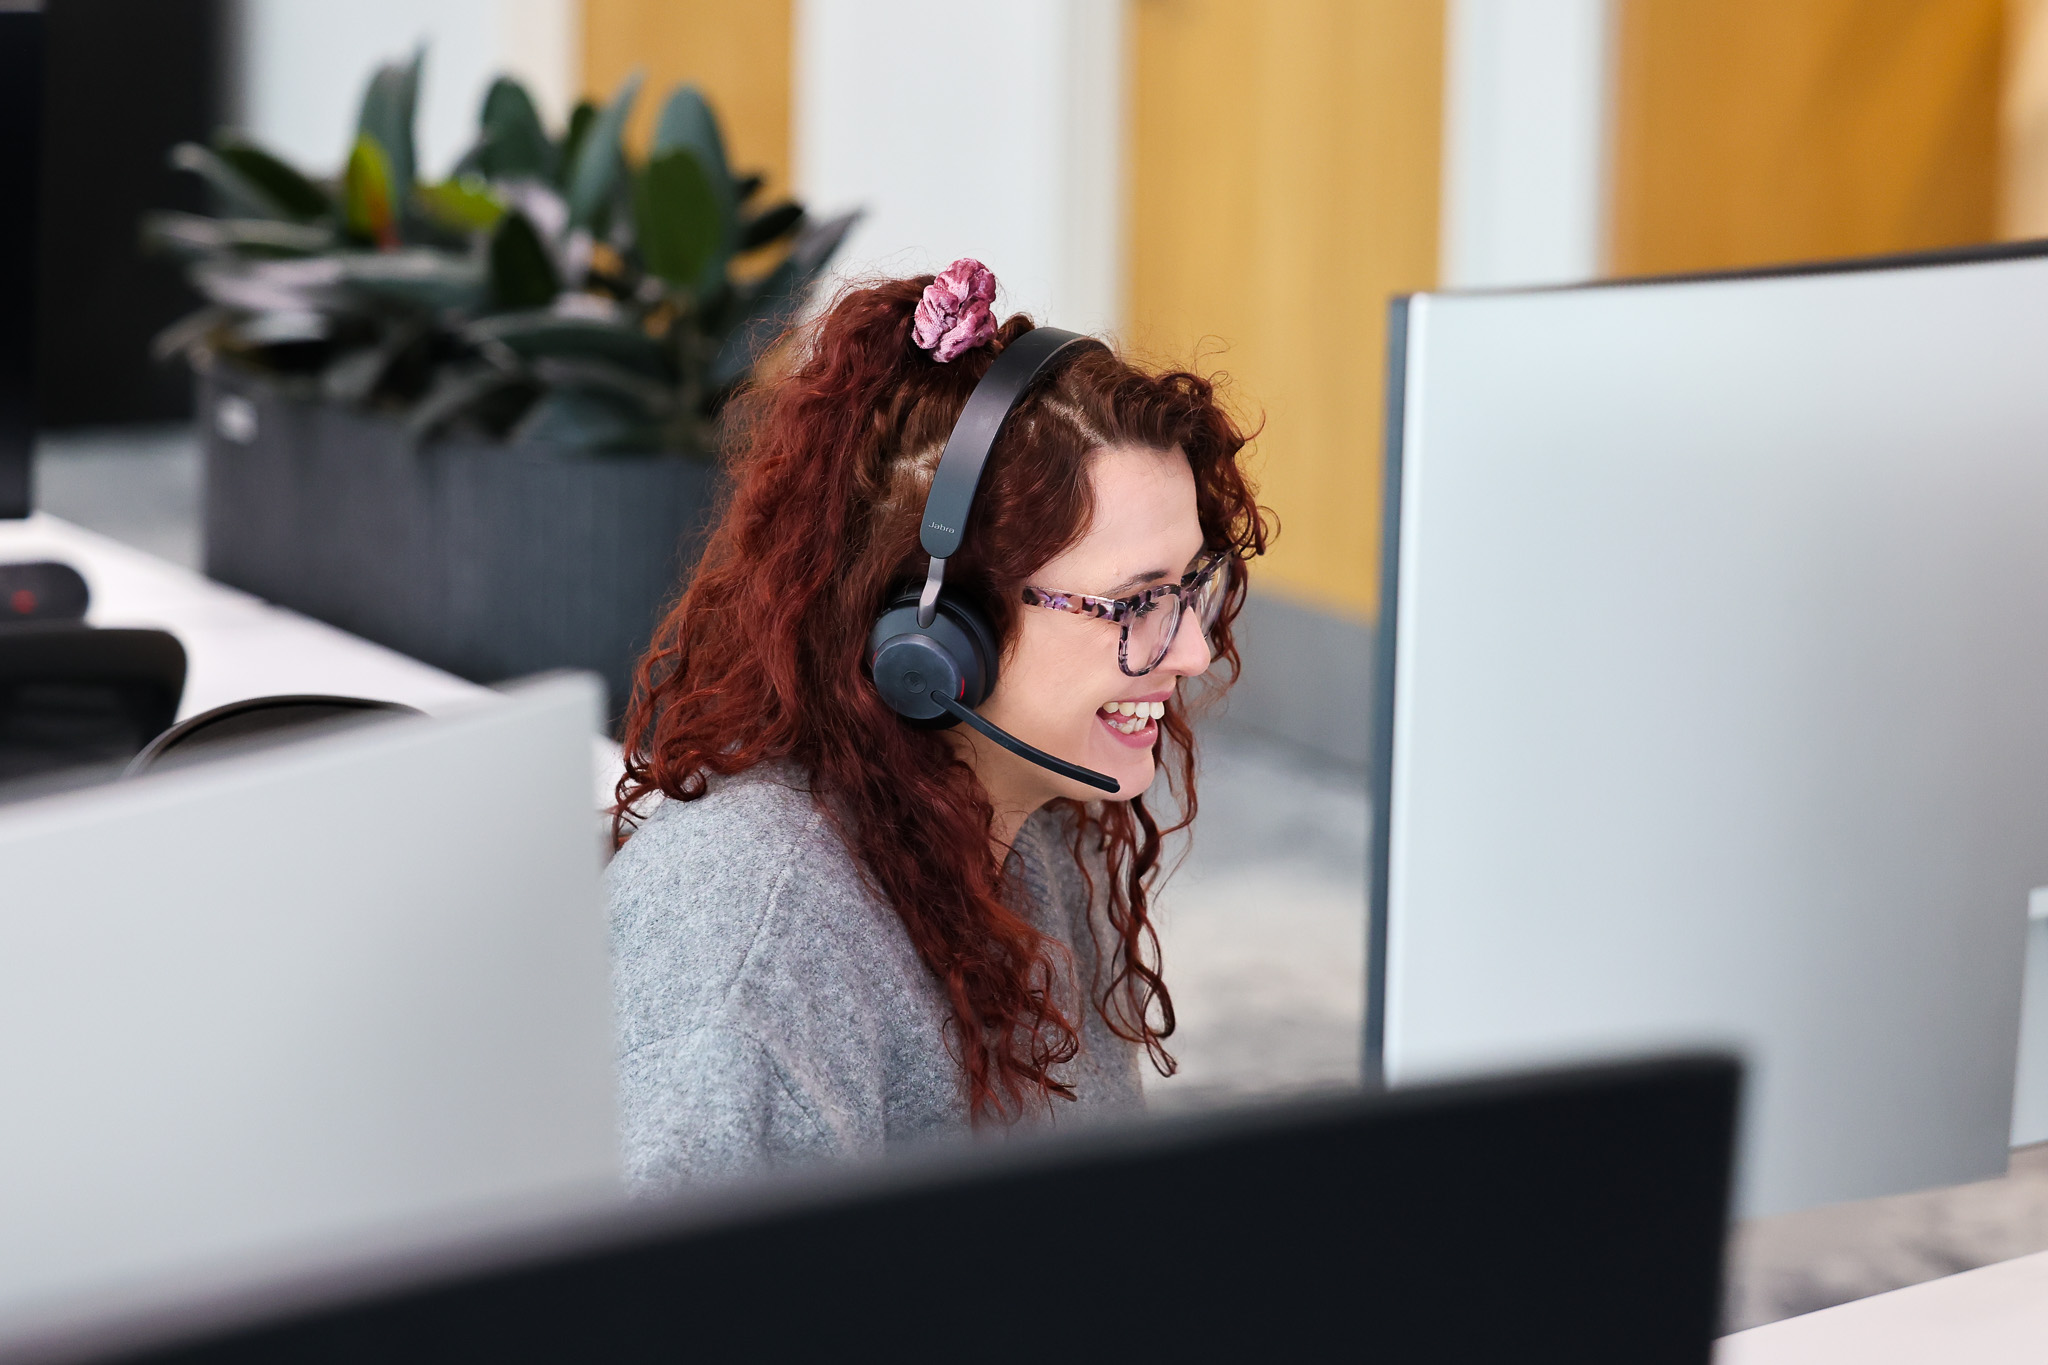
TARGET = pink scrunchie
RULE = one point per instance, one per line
(953, 315)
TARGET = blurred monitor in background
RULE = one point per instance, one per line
(126, 81)
(21, 107)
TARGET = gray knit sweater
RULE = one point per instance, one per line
(772, 1011)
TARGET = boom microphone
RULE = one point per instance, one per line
(1099, 781)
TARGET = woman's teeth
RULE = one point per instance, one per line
(1132, 716)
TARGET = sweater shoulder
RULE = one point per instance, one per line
(733, 843)
(723, 907)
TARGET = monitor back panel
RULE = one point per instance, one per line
(301, 1004)
(1573, 1218)
(21, 141)
(1719, 700)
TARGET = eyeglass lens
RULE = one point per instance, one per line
(1208, 598)
(1153, 627)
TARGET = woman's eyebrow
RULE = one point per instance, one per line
(1139, 580)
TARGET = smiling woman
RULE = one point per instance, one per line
(844, 931)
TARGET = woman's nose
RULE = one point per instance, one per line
(1189, 656)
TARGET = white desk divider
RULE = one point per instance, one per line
(1713, 698)
(301, 1006)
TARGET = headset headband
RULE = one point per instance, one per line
(967, 449)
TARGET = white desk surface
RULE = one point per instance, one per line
(1994, 1316)
(238, 646)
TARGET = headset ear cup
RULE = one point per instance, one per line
(955, 654)
(982, 680)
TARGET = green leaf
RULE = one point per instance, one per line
(767, 312)
(771, 225)
(419, 277)
(357, 374)
(289, 190)
(192, 234)
(687, 124)
(352, 377)
(600, 157)
(680, 221)
(775, 301)
(455, 392)
(280, 329)
(652, 397)
(367, 201)
(466, 204)
(522, 273)
(190, 333)
(243, 197)
(306, 285)
(581, 120)
(586, 419)
(687, 121)
(533, 335)
(514, 145)
(389, 106)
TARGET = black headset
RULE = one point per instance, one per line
(933, 654)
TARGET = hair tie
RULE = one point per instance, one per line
(953, 316)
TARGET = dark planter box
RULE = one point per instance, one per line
(487, 560)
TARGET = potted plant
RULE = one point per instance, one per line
(477, 419)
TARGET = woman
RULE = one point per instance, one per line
(843, 931)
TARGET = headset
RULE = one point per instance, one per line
(933, 656)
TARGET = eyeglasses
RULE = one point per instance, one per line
(1150, 619)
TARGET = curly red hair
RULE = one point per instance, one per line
(763, 656)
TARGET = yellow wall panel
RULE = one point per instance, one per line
(1756, 131)
(738, 54)
(1284, 177)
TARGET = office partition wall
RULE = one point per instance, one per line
(21, 121)
(302, 1005)
(1714, 697)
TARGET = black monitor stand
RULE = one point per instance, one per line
(21, 122)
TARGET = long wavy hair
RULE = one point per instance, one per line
(763, 655)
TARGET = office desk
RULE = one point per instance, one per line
(1994, 1316)
(238, 646)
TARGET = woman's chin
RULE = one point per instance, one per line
(1127, 758)
(1129, 783)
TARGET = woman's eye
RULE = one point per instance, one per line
(1145, 606)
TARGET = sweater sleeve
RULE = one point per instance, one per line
(711, 1103)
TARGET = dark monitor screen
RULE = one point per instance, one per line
(21, 124)
(1567, 1216)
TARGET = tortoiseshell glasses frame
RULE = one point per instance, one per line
(1201, 590)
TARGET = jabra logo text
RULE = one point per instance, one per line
(939, 526)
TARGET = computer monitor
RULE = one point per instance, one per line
(299, 1005)
(1711, 699)
(1574, 1217)
(21, 140)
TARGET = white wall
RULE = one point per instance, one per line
(1526, 95)
(979, 128)
(305, 62)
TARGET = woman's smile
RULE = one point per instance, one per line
(1132, 722)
